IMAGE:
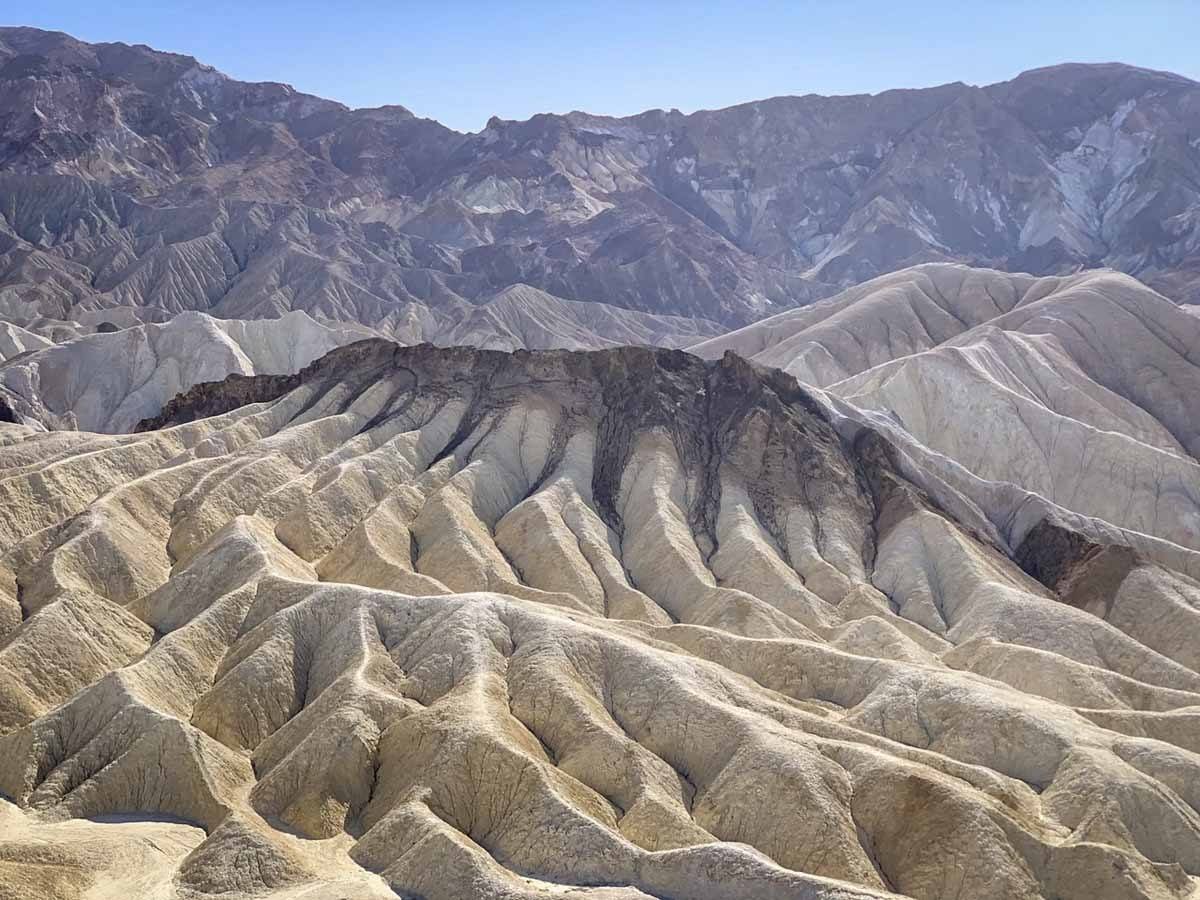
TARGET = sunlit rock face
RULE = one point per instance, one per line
(111, 379)
(464, 623)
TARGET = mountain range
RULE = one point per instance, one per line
(797, 501)
(132, 178)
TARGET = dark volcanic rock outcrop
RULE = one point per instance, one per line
(212, 398)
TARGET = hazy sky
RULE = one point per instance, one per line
(461, 62)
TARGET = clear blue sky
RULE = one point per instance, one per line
(461, 62)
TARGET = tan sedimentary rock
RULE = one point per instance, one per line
(1074, 397)
(624, 624)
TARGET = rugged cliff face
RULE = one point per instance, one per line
(134, 178)
(627, 623)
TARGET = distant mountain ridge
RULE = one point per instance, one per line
(139, 179)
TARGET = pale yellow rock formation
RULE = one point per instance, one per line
(454, 624)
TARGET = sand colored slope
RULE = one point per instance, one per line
(459, 623)
(1076, 397)
(111, 380)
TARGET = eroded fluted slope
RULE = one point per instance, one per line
(459, 623)
(1075, 397)
(111, 380)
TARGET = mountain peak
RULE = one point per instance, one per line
(1073, 70)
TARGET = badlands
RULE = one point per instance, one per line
(597, 508)
(452, 623)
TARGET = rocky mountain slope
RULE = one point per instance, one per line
(111, 379)
(1075, 397)
(522, 317)
(15, 340)
(893, 593)
(131, 178)
(461, 623)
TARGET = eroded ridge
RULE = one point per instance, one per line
(459, 623)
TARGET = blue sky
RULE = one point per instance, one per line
(461, 62)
